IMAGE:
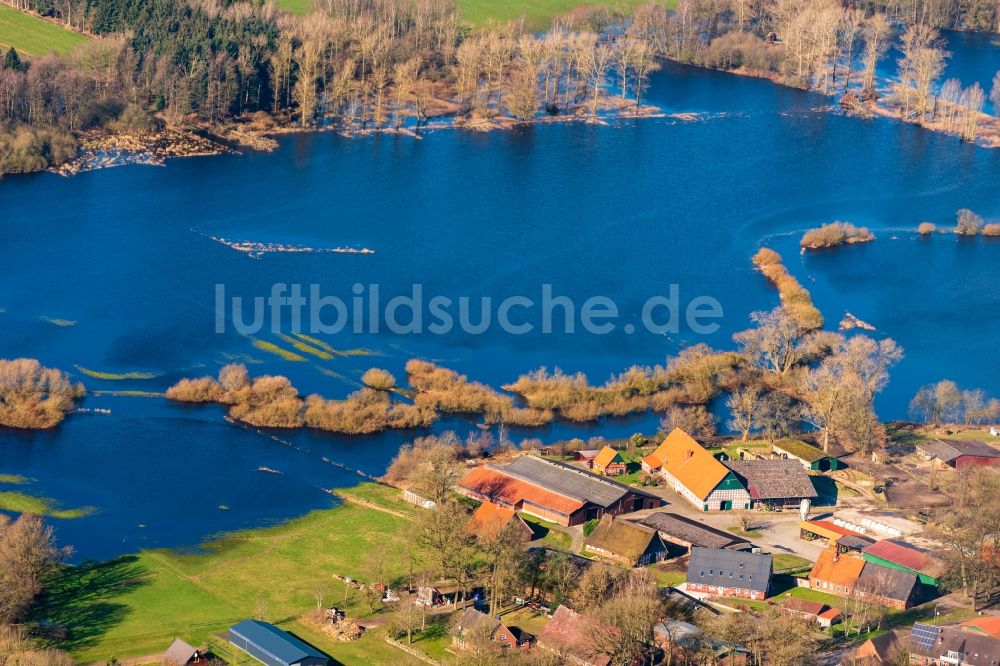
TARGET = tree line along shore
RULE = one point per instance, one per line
(238, 70)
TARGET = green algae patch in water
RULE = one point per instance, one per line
(272, 348)
(115, 376)
(306, 348)
(23, 503)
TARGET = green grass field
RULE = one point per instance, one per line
(34, 36)
(135, 605)
(538, 14)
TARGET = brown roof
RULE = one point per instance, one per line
(572, 634)
(688, 462)
(623, 538)
(773, 479)
(605, 457)
(804, 606)
(496, 485)
(844, 571)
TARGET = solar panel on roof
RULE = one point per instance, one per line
(925, 635)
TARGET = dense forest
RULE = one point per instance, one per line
(363, 64)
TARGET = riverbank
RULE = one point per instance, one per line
(136, 604)
(107, 148)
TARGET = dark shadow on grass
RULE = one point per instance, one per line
(781, 583)
(82, 599)
(827, 489)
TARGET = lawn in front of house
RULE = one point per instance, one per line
(32, 35)
(135, 605)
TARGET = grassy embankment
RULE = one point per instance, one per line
(34, 36)
(17, 501)
(135, 605)
(538, 14)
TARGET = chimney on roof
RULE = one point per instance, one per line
(690, 453)
(836, 554)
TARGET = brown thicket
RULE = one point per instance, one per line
(835, 233)
(795, 299)
(33, 396)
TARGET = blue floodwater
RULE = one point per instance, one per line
(621, 211)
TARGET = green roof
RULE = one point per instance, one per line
(800, 449)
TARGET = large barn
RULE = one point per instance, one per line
(959, 453)
(553, 491)
(694, 474)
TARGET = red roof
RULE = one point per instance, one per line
(499, 487)
(986, 625)
(904, 555)
(826, 524)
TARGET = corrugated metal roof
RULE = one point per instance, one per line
(729, 568)
(905, 555)
(273, 641)
(565, 480)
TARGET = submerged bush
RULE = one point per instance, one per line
(835, 233)
(33, 396)
(969, 223)
(991, 229)
(926, 228)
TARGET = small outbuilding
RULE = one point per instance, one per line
(610, 462)
(810, 457)
(625, 542)
(180, 653)
(273, 646)
(507, 638)
(959, 453)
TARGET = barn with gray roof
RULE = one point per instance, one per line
(273, 646)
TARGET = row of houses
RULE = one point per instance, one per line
(711, 484)
(868, 577)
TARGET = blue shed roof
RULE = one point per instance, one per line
(274, 642)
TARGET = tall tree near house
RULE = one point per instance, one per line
(969, 535)
(625, 630)
(442, 533)
(877, 36)
(503, 562)
(776, 344)
(775, 416)
(744, 406)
